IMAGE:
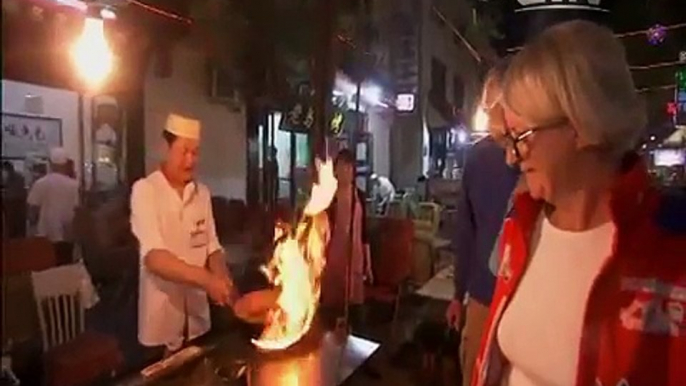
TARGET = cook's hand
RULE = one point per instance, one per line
(453, 315)
(233, 291)
(218, 289)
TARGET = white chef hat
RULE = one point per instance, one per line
(58, 156)
(183, 127)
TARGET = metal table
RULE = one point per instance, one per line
(439, 287)
(322, 358)
(329, 364)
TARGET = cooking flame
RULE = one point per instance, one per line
(296, 267)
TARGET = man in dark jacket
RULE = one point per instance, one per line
(487, 184)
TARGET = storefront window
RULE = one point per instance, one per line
(108, 145)
(291, 158)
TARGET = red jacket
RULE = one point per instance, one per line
(634, 330)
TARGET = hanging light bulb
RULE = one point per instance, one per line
(91, 54)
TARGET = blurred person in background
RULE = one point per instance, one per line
(71, 168)
(383, 192)
(348, 243)
(13, 201)
(487, 184)
(271, 170)
(52, 202)
(592, 273)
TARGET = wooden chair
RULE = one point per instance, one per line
(73, 356)
(26, 255)
(428, 217)
(391, 263)
(427, 253)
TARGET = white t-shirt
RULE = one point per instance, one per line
(161, 219)
(540, 331)
(57, 196)
(384, 189)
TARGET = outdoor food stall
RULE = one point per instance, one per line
(293, 346)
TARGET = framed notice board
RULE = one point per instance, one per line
(29, 134)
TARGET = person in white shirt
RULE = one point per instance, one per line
(52, 201)
(384, 191)
(182, 262)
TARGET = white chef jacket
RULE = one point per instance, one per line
(161, 219)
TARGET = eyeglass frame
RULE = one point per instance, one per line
(514, 141)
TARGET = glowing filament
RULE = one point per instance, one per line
(91, 54)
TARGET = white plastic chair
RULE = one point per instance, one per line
(61, 310)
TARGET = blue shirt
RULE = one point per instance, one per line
(487, 183)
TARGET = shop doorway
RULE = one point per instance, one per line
(284, 157)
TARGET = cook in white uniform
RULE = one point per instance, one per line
(52, 202)
(182, 262)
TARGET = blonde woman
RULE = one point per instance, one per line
(591, 286)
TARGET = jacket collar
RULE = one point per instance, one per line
(189, 190)
(632, 198)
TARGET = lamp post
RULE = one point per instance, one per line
(93, 61)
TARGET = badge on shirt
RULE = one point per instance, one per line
(199, 234)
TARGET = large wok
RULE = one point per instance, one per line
(253, 307)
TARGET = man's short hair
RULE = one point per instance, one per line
(169, 138)
(345, 156)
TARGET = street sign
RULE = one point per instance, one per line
(680, 97)
(404, 102)
(299, 117)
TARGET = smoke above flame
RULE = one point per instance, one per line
(296, 267)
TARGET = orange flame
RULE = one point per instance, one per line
(296, 268)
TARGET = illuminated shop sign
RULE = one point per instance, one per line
(581, 5)
(404, 102)
(680, 97)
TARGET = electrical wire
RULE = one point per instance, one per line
(656, 65)
(82, 5)
(638, 68)
(645, 31)
(457, 33)
(623, 34)
(161, 12)
(648, 89)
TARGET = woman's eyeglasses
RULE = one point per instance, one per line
(514, 143)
